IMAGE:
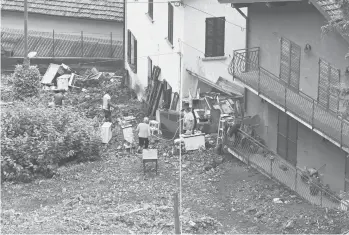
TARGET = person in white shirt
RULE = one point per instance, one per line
(143, 131)
(106, 106)
(188, 119)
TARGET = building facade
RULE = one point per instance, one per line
(191, 41)
(289, 70)
(94, 18)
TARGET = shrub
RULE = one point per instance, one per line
(26, 82)
(36, 139)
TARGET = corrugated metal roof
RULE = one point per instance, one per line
(91, 9)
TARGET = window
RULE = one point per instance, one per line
(215, 34)
(290, 63)
(132, 51)
(150, 71)
(150, 8)
(287, 138)
(170, 23)
(329, 77)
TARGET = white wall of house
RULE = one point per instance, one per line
(46, 23)
(189, 28)
(194, 35)
(151, 42)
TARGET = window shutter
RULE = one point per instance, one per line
(129, 46)
(170, 23)
(295, 59)
(135, 55)
(285, 60)
(210, 34)
(219, 36)
(150, 8)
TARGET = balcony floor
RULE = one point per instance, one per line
(297, 104)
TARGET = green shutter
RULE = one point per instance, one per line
(219, 36)
(209, 47)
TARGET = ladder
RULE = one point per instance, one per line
(222, 120)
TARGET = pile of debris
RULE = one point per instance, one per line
(62, 77)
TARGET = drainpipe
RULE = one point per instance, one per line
(124, 35)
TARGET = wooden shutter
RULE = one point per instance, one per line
(220, 36)
(295, 59)
(170, 23)
(285, 60)
(150, 70)
(323, 83)
(329, 77)
(129, 46)
(334, 81)
(210, 34)
(135, 54)
(290, 63)
(150, 8)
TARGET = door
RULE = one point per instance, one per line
(287, 138)
(346, 179)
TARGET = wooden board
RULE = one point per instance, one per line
(128, 134)
(150, 154)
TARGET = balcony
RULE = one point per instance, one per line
(245, 67)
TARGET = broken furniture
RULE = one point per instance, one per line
(63, 82)
(154, 127)
(128, 136)
(150, 155)
(193, 141)
(106, 132)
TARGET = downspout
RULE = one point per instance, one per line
(124, 36)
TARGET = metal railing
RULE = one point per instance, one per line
(258, 156)
(245, 67)
(62, 44)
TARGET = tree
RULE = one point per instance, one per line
(340, 22)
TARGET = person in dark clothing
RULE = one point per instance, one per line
(195, 120)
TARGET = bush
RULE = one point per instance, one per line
(26, 82)
(37, 139)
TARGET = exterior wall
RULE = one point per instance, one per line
(312, 150)
(189, 27)
(301, 23)
(151, 42)
(47, 23)
(194, 35)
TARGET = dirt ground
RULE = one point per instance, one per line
(241, 199)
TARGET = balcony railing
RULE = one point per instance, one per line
(245, 67)
(257, 155)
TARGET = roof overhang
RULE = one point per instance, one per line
(214, 85)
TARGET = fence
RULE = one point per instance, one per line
(62, 44)
(245, 67)
(255, 154)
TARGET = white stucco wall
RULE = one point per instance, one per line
(151, 41)
(189, 27)
(194, 35)
(47, 23)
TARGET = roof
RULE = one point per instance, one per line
(110, 10)
(65, 45)
(328, 8)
